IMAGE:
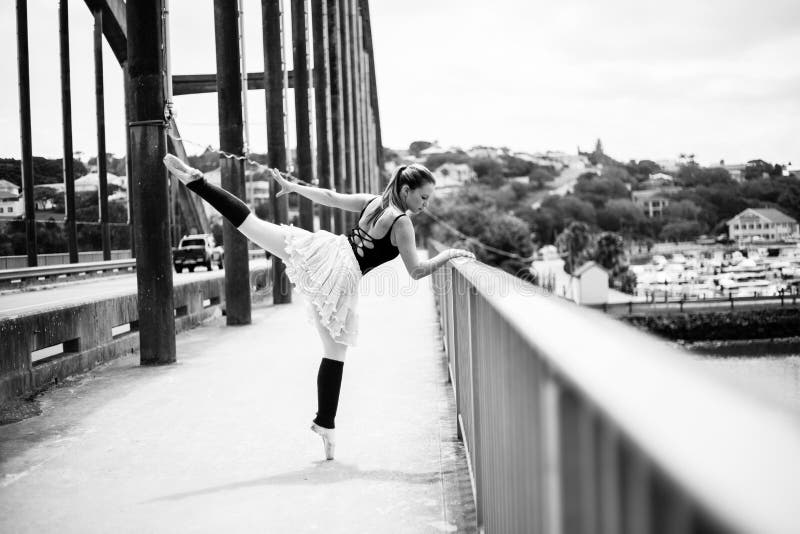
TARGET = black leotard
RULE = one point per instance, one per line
(381, 250)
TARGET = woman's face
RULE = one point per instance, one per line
(417, 199)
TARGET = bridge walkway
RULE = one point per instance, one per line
(220, 440)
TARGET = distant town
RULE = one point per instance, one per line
(655, 227)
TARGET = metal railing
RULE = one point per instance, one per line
(61, 258)
(575, 422)
(697, 305)
(50, 272)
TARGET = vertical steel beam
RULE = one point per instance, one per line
(302, 109)
(149, 179)
(25, 130)
(355, 95)
(373, 89)
(229, 103)
(347, 90)
(337, 108)
(126, 84)
(66, 127)
(322, 99)
(362, 91)
(99, 93)
(276, 129)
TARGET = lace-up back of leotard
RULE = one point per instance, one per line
(371, 252)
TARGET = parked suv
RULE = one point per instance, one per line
(197, 249)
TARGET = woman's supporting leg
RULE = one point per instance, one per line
(329, 384)
(329, 377)
(265, 234)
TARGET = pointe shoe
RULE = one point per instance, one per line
(184, 172)
(328, 439)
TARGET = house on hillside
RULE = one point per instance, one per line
(660, 177)
(11, 202)
(484, 152)
(736, 171)
(450, 176)
(572, 161)
(654, 200)
(668, 165)
(756, 224)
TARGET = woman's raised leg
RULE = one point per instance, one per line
(267, 235)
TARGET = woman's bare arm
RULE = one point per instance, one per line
(326, 197)
(404, 236)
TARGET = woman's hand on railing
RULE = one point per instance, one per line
(454, 253)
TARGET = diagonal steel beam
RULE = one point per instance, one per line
(115, 25)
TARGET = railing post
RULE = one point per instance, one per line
(636, 492)
(551, 457)
(475, 327)
(576, 469)
(608, 480)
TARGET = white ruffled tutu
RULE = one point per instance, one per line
(323, 267)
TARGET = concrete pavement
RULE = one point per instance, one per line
(220, 440)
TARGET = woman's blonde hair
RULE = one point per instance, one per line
(414, 176)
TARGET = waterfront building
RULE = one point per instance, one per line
(590, 284)
(757, 224)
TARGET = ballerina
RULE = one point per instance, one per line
(326, 267)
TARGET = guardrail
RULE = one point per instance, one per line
(20, 276)
(60, 258)
(49, 272)
(41, 347)
(575, 422)
(697, 305)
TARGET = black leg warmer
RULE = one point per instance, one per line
(329, 382)
(228, 205)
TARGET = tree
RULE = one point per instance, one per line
(514, 166)
(418, 146)
(573, 244)
(599, 189)
(435, 161)
(609, 253)
(621, 215)
(489, 171)
(692, 175)
(540, 176)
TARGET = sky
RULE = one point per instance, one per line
(652, 79)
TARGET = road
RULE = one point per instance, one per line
(22, 302)
(562, 185)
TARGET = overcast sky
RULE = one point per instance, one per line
(652, 79)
